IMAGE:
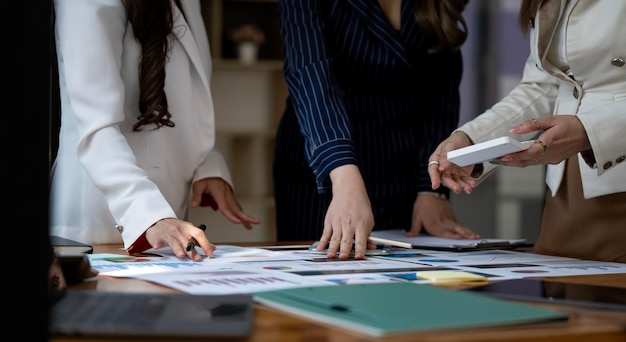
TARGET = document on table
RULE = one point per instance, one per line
(237, 269)
(397, 237)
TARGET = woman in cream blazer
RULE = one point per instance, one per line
(572, 99)
(109, 184)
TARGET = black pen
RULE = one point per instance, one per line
(193, 242)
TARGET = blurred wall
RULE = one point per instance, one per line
(509, 203)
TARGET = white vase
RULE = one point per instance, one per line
(247, 52)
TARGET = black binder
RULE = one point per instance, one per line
(61, 245)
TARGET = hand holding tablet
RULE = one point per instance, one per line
(488, 150)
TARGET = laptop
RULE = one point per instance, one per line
(117, 314)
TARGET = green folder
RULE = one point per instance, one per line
(380, 309)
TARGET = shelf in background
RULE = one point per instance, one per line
(232, 64)
(222, 16)
(249, 100)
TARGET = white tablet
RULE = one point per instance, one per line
(488, 150)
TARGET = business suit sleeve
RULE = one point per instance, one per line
(214, 166)
(313, 88)
(605, 130)
(90, 38)
(533, 97)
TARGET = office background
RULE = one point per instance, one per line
(509, 203)
(249, 100)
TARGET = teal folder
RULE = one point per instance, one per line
(380, 309)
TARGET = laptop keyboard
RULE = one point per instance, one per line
(129, 309)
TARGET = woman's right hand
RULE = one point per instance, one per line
(176, 234)
(349, 219)
(442, 171)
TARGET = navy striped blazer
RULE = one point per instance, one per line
(364, 93)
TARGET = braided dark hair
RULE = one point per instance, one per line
(152, 23)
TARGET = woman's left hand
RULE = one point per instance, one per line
(218, 194)
(435, 215)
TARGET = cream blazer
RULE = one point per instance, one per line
(596, 51)
(108, 183)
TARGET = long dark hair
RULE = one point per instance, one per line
(152, 23)
(527, 13)
(443, 22)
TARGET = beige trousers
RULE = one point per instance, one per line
(572, 226)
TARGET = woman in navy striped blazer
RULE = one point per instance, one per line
(373, 89)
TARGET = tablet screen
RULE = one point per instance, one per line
(558, 292)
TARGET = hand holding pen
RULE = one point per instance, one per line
(192, 241)
(182, 236)
(191, 250)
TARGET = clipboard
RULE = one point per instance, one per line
(398, 238)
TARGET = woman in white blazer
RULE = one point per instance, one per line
(123, 174)
(573, 96)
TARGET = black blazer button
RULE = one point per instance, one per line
(620, 159)
(607, 165)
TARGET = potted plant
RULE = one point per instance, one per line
(248, 37)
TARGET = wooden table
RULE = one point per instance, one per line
(585, 324)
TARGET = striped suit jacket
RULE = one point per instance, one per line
(361, 92)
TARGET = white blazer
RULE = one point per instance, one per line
(108, 183)
(596, 52)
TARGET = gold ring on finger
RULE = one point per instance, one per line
(545, 147)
